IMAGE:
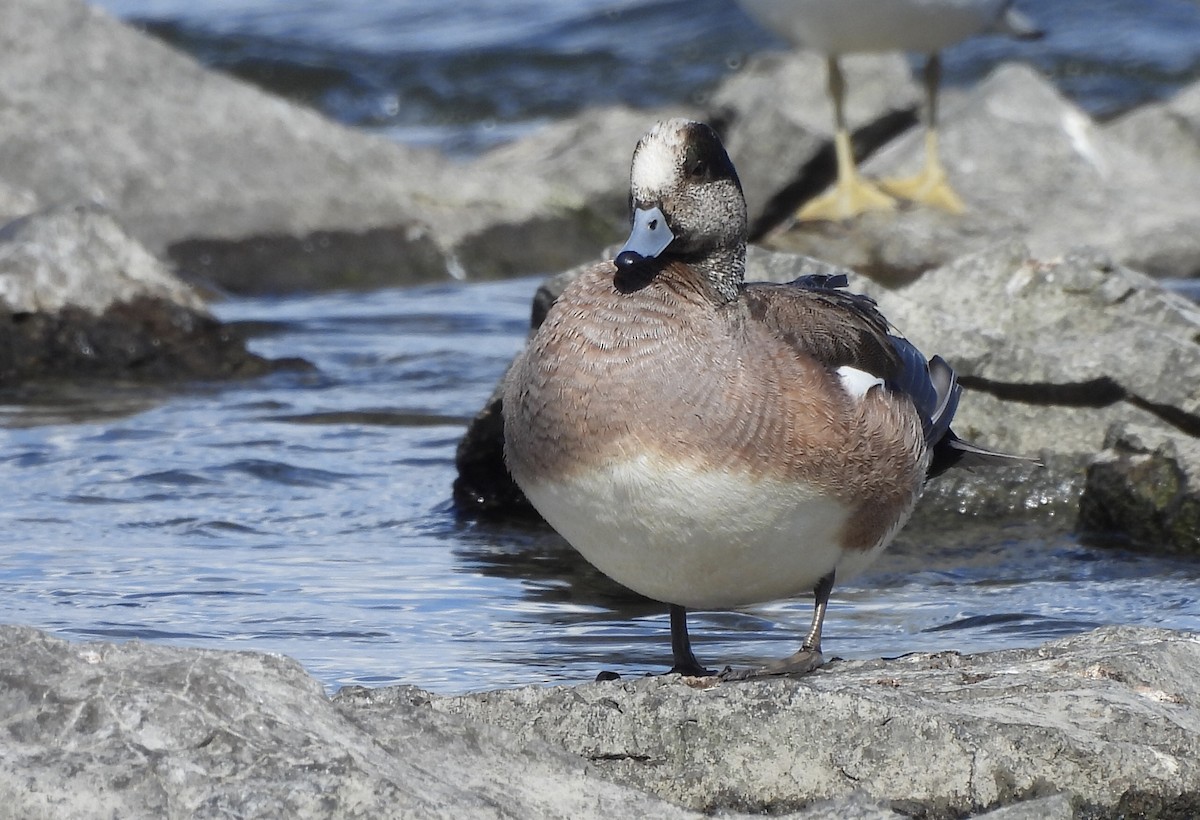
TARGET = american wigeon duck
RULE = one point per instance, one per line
(710, 443)
(835, 27)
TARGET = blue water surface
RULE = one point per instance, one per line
(468, 75)
(310, 514)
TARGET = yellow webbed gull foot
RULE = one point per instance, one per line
(929, 186)
(847, 199)
(850, 196)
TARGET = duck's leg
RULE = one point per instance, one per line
(681, 650)
(809, 656)
(850, 195)
(929, 185)
(681, 647)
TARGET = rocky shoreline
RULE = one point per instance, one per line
(1102, 725)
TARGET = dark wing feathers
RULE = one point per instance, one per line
(838, 328)
(843, 328)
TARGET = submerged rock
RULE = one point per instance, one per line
(1099, 725)
(1145, 487)
(80, 298)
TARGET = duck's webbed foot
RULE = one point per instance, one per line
(808, 658)
(793, 666)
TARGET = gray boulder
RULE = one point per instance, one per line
(1107, 721)
(1078, 335)
(78, 256)
(15, 202)
(81, 298)
(1030, 164)
(259, 194)
(179, 153)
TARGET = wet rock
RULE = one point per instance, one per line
(78, 256)
(1095, 723)
(776, 120)
(80, 298)
(1145, 488)
(139, 730)
(1030, 164)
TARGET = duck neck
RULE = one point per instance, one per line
(724, 270)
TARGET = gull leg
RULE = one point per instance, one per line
(851, 194)
(929, 186)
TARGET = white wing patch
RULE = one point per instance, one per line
(857, 382)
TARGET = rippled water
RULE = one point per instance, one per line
(309, 514)
(469, 74)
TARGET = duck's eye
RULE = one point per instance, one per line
(699, 169)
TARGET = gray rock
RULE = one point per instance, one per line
(178, 152)
(139, 730)
(15, 202)
(1107, 720)
(1079, 335)
(777, 123)
(1030, 164)
(1104, 722)
(1145, 487)
(79, 298)
(79, 256)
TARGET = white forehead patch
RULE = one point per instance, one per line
(656, 160)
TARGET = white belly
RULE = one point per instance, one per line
(847, 26)
(702, 539)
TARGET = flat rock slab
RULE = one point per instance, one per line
(1110, 719)
(1093, 726)
(1029, 164)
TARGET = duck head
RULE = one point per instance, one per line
(687, 206)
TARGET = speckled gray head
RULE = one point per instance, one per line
(687, 204)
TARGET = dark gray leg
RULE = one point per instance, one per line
(681, 646)
(809, 657)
